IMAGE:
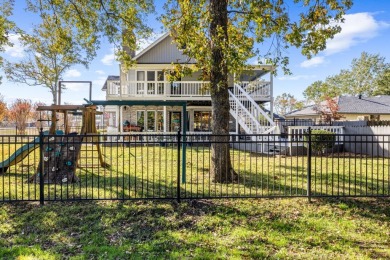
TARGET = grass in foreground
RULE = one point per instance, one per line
(221, 229)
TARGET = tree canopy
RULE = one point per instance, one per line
(286, 103)
(118, 21)
(6, 27)
(368, 75)
(250, 22)
(51, 51)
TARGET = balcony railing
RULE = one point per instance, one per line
(257, 89)
(161, 89)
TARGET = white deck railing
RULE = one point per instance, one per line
(160, 89)
(257, 89)
(296, 133)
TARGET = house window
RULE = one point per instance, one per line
(141, 118)
(202, 121)
(140, 85)
(160, 121)
(154, 120)
(154, 82)
(175, 121)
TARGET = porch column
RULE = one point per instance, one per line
(191, 115)
(120, 126)
(165, 119)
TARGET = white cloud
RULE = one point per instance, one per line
(357, 28)
(72, 74)
(100, 72)
(296, 77)
(313, 62)
(17, 50)
(109, 59)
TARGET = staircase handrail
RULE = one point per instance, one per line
(257, 107)
(242, 107)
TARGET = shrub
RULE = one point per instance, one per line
(320, 140)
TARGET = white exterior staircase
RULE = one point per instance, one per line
(249, 115)
(254, 120)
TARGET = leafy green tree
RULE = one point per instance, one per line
(368, 75)
(51, 51)
(363, 76)
(383, 83)
(6, 27)
(220, 35)
(286, 103)
(120, 21)
(319, 90)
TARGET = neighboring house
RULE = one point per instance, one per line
(351, 109)
(147, 81)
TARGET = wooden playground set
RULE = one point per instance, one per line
(60, 150)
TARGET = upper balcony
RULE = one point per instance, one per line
(179, 90)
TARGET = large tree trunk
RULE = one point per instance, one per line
(221, 167)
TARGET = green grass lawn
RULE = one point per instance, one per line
(151, 172)
(218, 229)
(204, 229)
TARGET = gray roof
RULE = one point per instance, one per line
(110, 78)
(306, 111)
(365, 105)
(352, 105)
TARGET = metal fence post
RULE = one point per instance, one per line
(178, 165)
(309, 166)
(41, 177)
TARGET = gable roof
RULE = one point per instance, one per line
(162, 51)
(351, 105)
(364, 105)
(110, 78)
(152, 45)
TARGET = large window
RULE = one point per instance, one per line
(202, 121)
(154, 82)
(154, 120)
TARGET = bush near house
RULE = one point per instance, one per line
(321, 140)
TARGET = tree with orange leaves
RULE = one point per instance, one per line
(329, 109)
(3, 108)
(19, 112)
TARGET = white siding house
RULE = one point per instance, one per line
(147, 81)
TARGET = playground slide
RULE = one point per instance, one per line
(22, 152)
(19, 155)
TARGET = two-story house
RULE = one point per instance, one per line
(147, 80)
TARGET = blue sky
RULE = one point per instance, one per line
(366, 28)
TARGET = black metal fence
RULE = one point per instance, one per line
(133, 167)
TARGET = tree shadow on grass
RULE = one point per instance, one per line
(168, 230)
(374, 208)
